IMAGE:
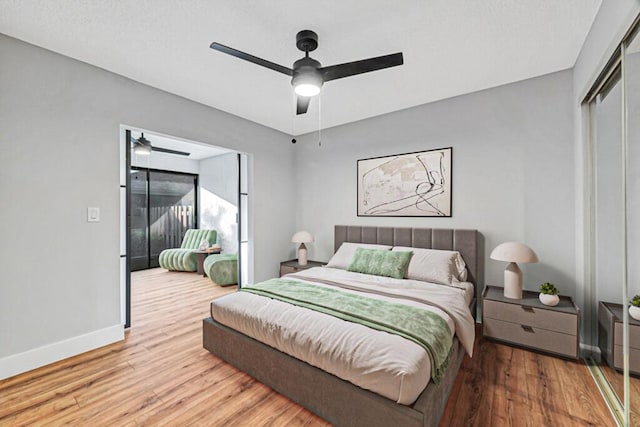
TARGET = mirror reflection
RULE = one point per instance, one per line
(611, 241)
(632, 81)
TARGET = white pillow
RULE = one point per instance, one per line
(434, 265)
(344, 255)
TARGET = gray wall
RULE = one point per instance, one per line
(513, 172)
(219, 198)
(59, 145)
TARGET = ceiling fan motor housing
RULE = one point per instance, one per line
(307, 40)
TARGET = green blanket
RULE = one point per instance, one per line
(423, 327)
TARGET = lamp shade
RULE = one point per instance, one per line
(514, 252)
(302, 237)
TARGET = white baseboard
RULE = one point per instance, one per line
(41, 356)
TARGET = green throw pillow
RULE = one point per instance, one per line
(380, 262)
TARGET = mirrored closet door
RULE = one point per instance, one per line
(614, 108)
(631, 79)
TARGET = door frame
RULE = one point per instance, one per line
(125, 244)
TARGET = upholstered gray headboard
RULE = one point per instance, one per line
(463, 241)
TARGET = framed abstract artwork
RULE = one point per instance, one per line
(411, 184)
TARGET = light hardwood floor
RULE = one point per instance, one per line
(508, 386)
(161, 375)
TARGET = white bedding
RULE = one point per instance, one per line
(387, 364)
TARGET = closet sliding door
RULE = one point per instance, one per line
(614, 180)
(608, 233)
(631, 70)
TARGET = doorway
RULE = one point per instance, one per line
(177, 185)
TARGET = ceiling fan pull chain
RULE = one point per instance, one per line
(293, 119)
(320, 120)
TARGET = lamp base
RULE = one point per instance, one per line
(513, 281)
(302, 254)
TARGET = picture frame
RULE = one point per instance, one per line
(416, 184)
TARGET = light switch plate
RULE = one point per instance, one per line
(93, 214)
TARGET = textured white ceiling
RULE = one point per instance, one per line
(450, 47)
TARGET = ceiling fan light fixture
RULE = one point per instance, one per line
(307, 89)
(142, 146)
(307, 84)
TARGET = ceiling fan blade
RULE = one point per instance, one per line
(302, 104)
(169, 151)
(347, 69)
(247, 57)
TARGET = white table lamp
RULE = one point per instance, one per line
(513, 252)
(302, 237)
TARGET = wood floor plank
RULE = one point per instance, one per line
(500, 411)
(27, 400)
(161, 375)
(540, 381)
(545, 391)
(40, 412)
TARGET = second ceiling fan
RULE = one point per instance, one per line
(307, 74)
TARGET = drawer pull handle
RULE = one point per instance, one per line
(528, 329)
(527, 309)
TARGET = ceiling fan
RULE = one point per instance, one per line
(307, 74)
(143, 147)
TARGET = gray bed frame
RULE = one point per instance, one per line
(338, 401)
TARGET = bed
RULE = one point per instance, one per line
(339, 401)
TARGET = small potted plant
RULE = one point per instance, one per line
(549, 294)
(634, 307)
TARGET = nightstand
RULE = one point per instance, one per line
(529, 323)
(291, 266)
(610, 337)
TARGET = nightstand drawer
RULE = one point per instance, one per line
(634, 335)
(542, 339)
(634, 358)
(565, 323)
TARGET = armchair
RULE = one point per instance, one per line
(184, 258)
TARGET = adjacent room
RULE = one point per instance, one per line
(289, 213)
(175, 186)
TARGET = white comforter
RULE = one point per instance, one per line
(387, 364)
